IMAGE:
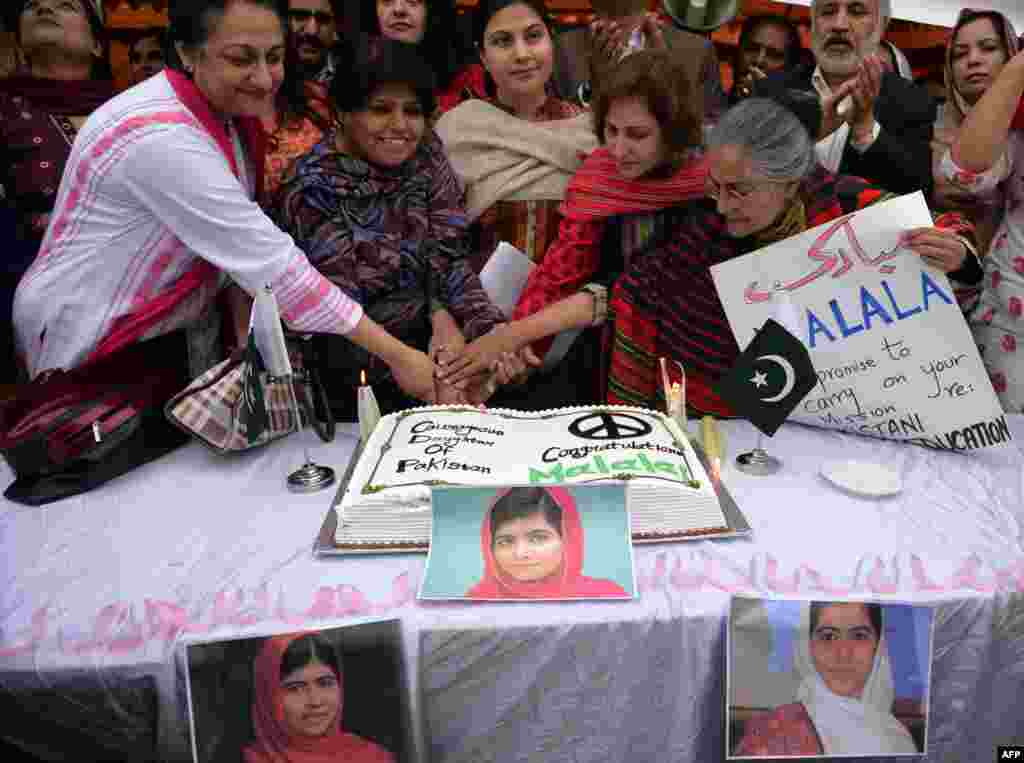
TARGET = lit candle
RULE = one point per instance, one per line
(675, 395)
(369, 411)
(674, 404)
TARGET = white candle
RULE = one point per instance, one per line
(675, 402)
(675, 394)
(369, 411)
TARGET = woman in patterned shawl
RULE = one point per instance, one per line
(379, 211)
(764, 185)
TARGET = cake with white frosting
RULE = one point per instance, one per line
(385, 505)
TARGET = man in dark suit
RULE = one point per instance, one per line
(877, 125)
(585, 54)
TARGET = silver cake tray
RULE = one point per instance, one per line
(324, 544)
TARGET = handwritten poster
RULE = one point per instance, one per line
(892, 351)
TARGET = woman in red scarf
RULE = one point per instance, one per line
(532, 544)
(650, 128)
(297, 706)
(64, 77)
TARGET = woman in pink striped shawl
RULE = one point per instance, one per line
(157, 206)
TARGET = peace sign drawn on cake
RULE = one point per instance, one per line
(609, 426)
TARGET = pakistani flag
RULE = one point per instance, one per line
(770, 378)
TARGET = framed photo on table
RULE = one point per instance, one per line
(807, 679)
(335, 692)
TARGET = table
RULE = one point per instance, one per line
(99, 592)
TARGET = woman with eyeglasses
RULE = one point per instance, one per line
(64, 75)
(158, 206)
(764, 185)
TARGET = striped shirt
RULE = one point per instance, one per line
(147, 193)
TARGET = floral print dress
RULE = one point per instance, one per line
(998, 321)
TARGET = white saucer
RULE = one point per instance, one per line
(862, 478)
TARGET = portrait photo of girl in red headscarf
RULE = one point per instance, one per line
(297, 708)
(533, 542)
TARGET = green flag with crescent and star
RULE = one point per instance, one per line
(769, 379)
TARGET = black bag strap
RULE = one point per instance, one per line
(314, 397)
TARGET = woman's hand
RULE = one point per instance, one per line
(518, 366)
(445, 394)
(940, 248)
(479, 355)
(445, 334)
(414, 373)
(510, 368)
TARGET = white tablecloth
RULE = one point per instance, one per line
(104, 587)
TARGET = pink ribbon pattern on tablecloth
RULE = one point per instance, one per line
(123, 627)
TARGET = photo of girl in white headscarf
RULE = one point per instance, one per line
(844, 690)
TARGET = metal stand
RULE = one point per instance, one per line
(310, 477)
(758, 462)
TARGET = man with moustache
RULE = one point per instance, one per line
(584, 55)
(314, 31)
(876, 124)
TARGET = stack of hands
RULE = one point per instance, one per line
(454, 372)
(471, 373)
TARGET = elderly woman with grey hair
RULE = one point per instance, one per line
(764, 184)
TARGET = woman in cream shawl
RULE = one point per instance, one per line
(845, 691)
(515, 145)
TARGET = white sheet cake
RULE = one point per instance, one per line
(386, 504)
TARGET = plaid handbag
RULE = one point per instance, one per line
(238, 404)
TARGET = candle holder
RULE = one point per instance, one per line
(310, 477)
(758, 462)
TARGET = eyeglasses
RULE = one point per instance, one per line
(302, 15)
(736, 191)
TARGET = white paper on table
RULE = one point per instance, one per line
(893, 353)
(503, 278)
